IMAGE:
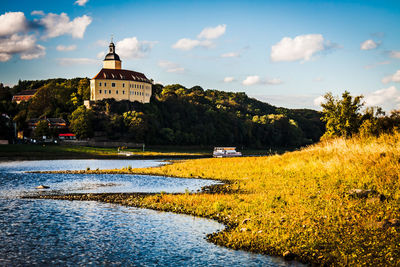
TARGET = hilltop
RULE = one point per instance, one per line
(176, 115)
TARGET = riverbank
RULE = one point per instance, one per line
(52, 151)
(44, 152)
(333, 203)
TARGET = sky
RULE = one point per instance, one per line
(286, 53)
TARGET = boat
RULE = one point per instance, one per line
(225, 152)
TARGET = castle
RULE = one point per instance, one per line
(117, 83)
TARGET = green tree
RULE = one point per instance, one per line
(342, 116)
(42, 129)
(81, 122)
(84, 88)
(137, 124)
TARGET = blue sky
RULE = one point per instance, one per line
(287, 53)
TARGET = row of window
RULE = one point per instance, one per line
(123, 92)
(136, 86)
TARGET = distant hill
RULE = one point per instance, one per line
(176, 116)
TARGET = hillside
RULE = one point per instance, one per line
(175, 116)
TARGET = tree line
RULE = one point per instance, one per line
(176, 115)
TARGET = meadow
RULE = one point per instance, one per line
(333, 203)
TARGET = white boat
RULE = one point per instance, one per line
(225, 152)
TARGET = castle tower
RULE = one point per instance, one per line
(114, 82)
(112, 61)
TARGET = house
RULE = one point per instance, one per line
(23, 96)
(54, 123)
(114, 82)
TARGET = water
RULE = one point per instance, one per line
(16, 182)
(70, 233)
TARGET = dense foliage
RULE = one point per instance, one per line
(175, 116)
(344, 118)
(182, 116)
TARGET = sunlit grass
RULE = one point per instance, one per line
(303, 203)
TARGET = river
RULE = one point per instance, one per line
(70, 233)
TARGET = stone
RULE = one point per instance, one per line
(289, 255)
(361, 193)
(42, 187)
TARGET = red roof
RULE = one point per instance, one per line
(66, 134)
(115, 74)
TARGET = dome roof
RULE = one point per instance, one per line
(111, 54)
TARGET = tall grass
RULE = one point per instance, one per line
(333, 203)
(303, 203)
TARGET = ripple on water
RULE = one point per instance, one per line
(49, 232)
(42, 232)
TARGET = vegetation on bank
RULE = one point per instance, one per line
(26, 151)
(333, 203)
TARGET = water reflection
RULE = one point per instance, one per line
(49, 232)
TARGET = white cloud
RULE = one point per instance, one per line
(170, 66)
(100, 55)
(81, 2)
(5, 57)
(76, 61)
(12, 22)
(188, 44)
(369, 44)
(274, 81)
(207, 34)
(133, 48)
(37, 13)
(66, 48)
(255, 79)
(24, 45)
(302, 47)
(212, 33)
(319, 100)
(229, 79)
(387, 96)
(290, 100)
(251, 80)
(392, 78)
(231, 54)
(57, 25)
(36, 52)
(394, 54)
(371, 66)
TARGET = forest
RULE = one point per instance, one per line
(176, 115)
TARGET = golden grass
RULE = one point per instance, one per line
(302, 204)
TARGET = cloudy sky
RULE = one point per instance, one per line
(287, 53)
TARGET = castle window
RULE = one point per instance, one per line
(116, 92)
(99, 91)
(109, 91)
(99, 83)
(105, 84)
(105, 91)
(123, 92)
(112, 84)
(123, 85)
